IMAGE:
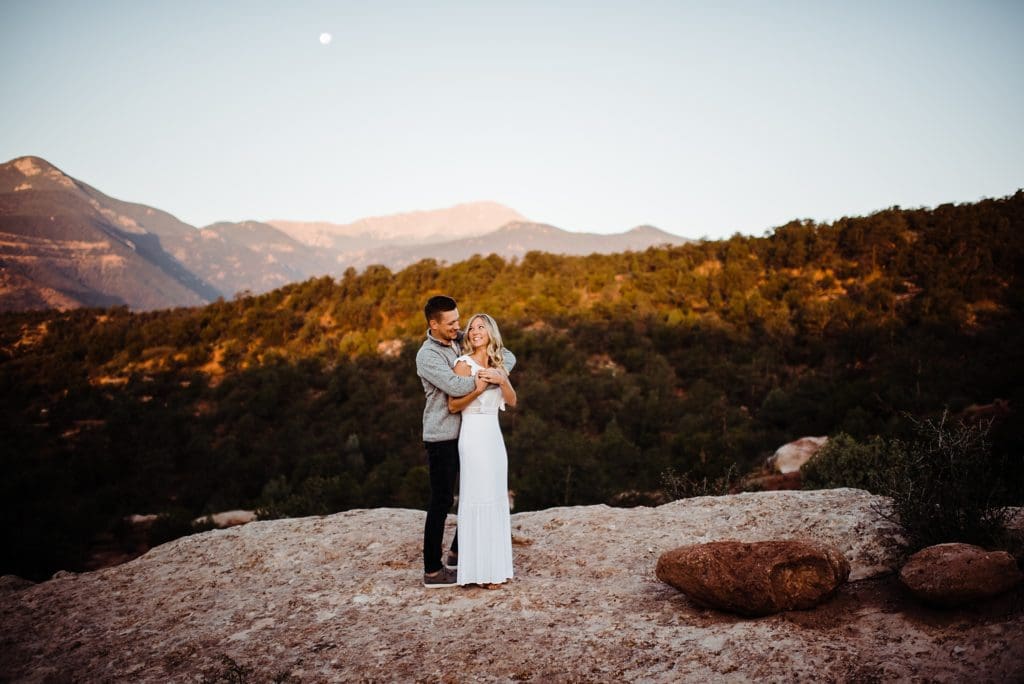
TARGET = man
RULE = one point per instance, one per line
(434, 364)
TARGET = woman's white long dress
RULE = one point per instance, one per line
(485, 531)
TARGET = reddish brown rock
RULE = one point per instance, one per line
(956, 574)
(757, 578)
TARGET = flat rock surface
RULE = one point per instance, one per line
(339, 598)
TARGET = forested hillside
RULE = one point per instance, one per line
(305, 400)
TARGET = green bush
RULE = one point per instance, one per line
(687, 486)
(175, 523)
(314, 495)
(946, 483)
(949, 486)
(845, 462)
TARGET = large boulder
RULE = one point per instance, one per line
(756, 578)
(956, 574)
(788, 458)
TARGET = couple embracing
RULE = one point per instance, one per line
(465, 379)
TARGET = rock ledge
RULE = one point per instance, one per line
(339, 598)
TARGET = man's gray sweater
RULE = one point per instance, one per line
(434, 364)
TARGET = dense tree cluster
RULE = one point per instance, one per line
(305, 400)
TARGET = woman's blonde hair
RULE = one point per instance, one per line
(494, 346)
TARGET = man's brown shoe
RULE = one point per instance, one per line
(442, 578)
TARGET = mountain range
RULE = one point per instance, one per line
(65, 244)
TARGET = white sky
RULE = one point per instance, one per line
(699, 118)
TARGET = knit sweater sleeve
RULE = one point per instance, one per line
(433, 367)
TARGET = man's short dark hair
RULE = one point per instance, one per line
(438, 305)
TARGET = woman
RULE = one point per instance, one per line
(484, 525)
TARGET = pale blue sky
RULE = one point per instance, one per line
(699, 118)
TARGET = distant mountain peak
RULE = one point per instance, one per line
(468, 219)
(29, 172)
(72, 245)
(515, 239)
(30, 165)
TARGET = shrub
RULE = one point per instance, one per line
(314, 495)
(948, 486)
(685, 486)
(946, 483)
(176, 523)
(230, 672)
(845, 462)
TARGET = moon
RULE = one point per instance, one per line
(325, 38)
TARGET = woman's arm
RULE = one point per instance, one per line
(456, 404)
(508, 392)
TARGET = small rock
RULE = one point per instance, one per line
(757, 578)
(788, 458)
(713, 644)
(956, 574)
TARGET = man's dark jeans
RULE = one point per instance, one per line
(443, 462)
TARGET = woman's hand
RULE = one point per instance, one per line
(456, 404)
(495, 376)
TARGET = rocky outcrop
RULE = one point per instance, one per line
(339, 598)
(789, 458)
(65, 244)
(958, 574)
(758, 578)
